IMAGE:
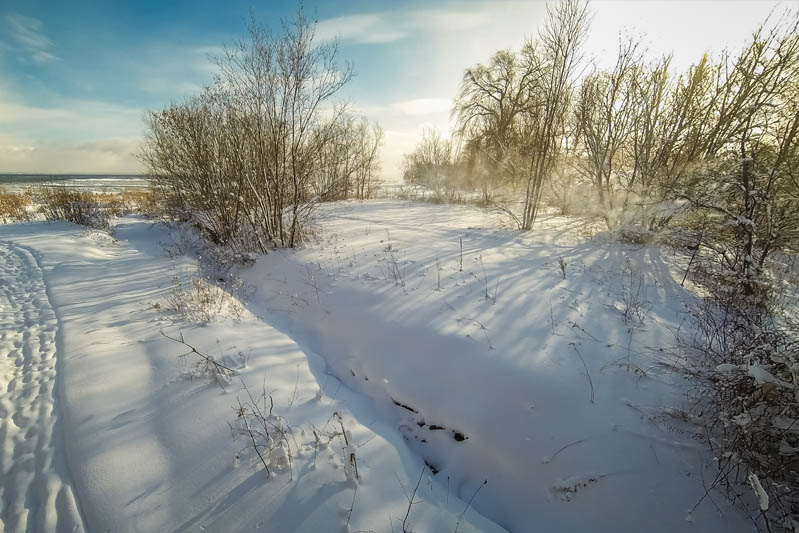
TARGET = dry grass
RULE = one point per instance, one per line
(14, 206)
(92, 209)
(71, 205)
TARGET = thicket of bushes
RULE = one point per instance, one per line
(249, 158)
(638, 144)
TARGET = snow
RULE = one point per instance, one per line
(762, 497)
(149, 449)
(763, 376)
(36, 494)
(500, 372)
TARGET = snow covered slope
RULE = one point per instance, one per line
(147, 444)
(494, 367)
(537, 403)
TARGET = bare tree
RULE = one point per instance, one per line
(430, 164)
(515, 109)
(666, 141)
(368, 138)
(555, 63)
(748, 189)
(348, 162)
(605, 114)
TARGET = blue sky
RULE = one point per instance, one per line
(76, 77)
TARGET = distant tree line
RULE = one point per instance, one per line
(248, 158)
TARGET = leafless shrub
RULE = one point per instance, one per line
(269, 436)
(199, 299)
(348, 164)
(232, 163)
(272, 438)
(204, 365)
(62, 203)
(747, 398)
(430, 164)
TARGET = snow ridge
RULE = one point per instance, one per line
(35, 495)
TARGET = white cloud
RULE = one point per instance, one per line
(80, 117)
(27, 32)
(390, 26)
(86, 136)
(452, 20)
(366, 28)
(422, 106)
(15, 149)
(11, 112)
(38, 144)
(114, 156)
(173, 71)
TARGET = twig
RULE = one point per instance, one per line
(251, 434)
(352, 505)
(296, 384)
(411, 502)
(549, 459)
(220, 372)
(587, 374)
(458, 523)
(348, 453)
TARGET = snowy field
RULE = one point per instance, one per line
(486, 380)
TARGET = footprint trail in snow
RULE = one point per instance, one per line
(35, 491)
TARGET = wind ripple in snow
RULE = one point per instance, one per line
(34, 494)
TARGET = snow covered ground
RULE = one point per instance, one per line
(538, 402)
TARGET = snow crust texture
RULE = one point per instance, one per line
(34, 494)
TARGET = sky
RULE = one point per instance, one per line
(77, 77)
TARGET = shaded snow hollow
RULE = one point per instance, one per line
(485, 366)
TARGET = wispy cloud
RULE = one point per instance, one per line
(366, 28)
(174, 70)
(114, 156)
(391, 26)
(77, 116)
(27, 33)
(33, 138)
(422, 106)
(12, 112)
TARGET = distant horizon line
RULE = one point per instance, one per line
(71, 174)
